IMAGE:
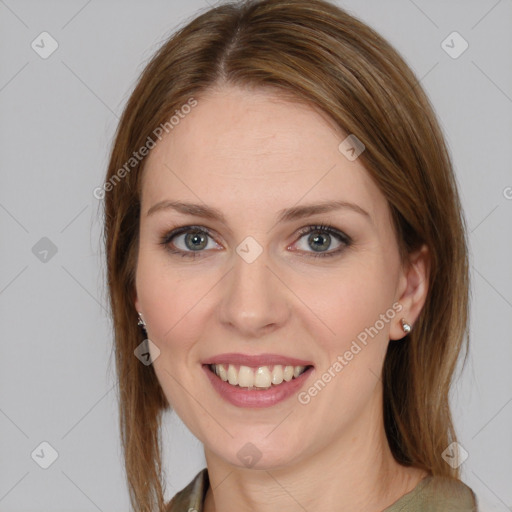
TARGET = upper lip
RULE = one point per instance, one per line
(257, 360)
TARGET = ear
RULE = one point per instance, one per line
(136, 300)
(412, 290)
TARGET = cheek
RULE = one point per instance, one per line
(170, 303)
(173, 306)
(175, 300)
(357, 305)
(353, 299)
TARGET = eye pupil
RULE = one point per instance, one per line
(198, 240)
(314, 238)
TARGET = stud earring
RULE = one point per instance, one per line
(405, 326)
(141, 322)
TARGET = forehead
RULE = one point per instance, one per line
(242, 150)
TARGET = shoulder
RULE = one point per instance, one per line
(437, 494)
(432, 494)
(191, 497)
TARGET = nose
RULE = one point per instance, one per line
(255, 302)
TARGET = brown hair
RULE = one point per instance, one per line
(319, 54)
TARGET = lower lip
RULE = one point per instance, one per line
(244, 397)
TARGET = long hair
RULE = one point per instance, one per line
(316, 53)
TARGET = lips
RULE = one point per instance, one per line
(254, 397)
(256, 361)
(256, 380)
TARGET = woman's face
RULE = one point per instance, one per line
(256, 283)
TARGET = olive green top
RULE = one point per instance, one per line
(432, 494)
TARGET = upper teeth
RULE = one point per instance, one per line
(261, 377)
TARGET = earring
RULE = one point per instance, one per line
(405, 326)
(141, 322)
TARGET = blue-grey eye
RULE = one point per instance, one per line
(319, 242)
(320, 239)
(196, 240)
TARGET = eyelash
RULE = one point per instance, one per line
(342, 237)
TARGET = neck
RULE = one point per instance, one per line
(356, 472)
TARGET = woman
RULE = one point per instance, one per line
(282, 217)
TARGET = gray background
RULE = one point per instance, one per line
(58, 117)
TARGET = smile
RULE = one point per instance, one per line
(261, 377)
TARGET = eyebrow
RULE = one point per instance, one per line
(286, 215)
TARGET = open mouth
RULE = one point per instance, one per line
(260, 377)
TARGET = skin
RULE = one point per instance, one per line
(250, 154)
